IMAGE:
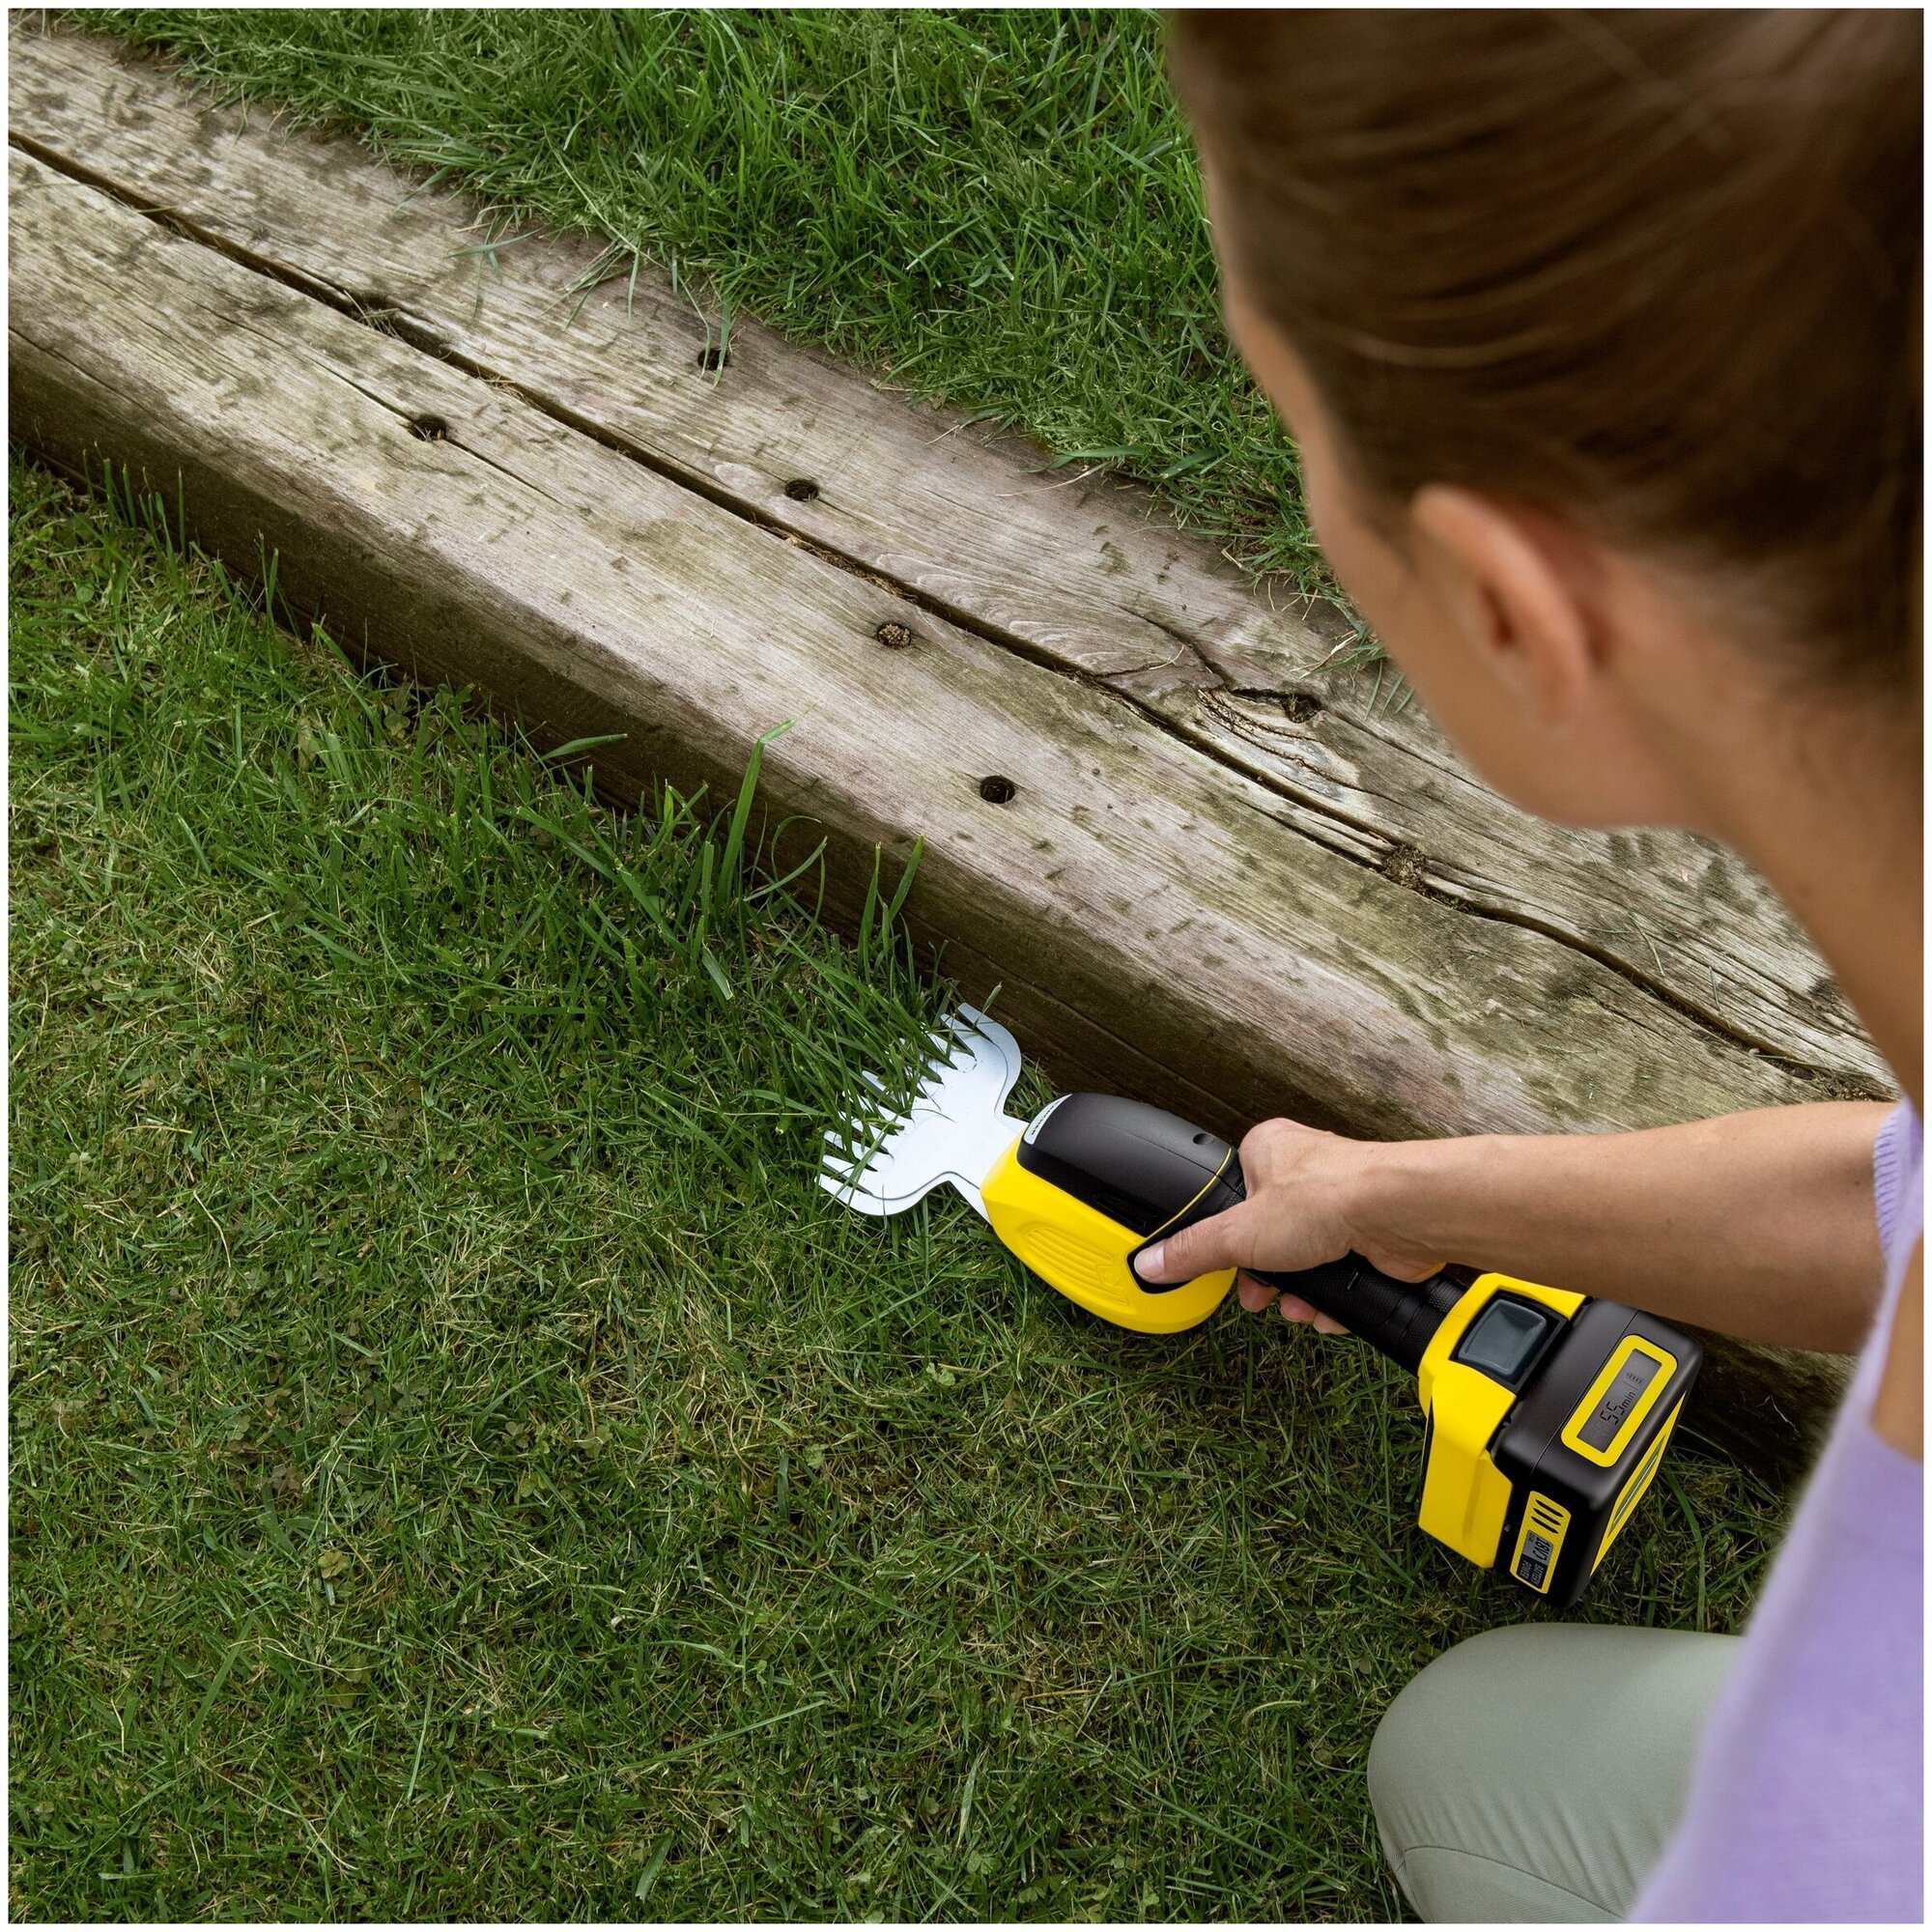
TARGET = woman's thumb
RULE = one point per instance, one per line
(1198, 1250)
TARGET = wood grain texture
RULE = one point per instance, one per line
(1157, 921)
(1087, 577)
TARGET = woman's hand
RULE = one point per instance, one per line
(1755, 1224)
(1310, 1200)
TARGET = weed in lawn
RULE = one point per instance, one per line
(464, 1467)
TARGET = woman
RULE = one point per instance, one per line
(1598, 336)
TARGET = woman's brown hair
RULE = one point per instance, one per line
(1655, 271)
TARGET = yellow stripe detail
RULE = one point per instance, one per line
(1204, 1187)
(1640, 1481)
(1543, 1516)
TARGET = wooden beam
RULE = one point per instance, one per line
(1074, 573)
(1160, 921)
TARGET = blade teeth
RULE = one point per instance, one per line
(867, 1126)
(884, 1132)
(852, 1197)
(850, 1160)
(856, 1176)
(867, 1134)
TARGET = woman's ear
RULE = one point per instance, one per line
(1519, 594)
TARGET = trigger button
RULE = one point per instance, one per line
(1149, 1286)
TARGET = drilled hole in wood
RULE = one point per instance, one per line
(802, 489)
(895, 637)
(710, 357)
(1405, 865)
(997, 790)
(428, 429)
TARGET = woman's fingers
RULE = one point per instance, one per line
(1256, 1295)
(1324, 1324)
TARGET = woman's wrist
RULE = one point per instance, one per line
(1399, 1196)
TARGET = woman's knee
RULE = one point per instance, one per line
(1487, 1797)
(1421, 1736)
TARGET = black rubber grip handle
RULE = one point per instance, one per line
(1397, 1317)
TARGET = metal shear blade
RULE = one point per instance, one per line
(882, 1161)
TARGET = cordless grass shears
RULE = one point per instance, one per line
(1547, 1412)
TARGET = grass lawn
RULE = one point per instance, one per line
(463, 1467)
(1000, 208)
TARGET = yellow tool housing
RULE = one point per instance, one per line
(1545, 1413)
(1464, 1497)
(1084, 1253)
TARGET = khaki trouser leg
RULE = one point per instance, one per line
(1536, 1772)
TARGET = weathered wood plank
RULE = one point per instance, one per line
(1132, 891)
(1076, 573)
(704, 630)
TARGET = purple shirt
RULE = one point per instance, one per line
(1807, 1800)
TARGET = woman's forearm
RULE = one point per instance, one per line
(1758, 1225)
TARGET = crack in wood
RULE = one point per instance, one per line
(313, 181)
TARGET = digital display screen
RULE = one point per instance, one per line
(1622, 1396)
(1504, 1339)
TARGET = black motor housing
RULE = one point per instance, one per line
(1155, 1173)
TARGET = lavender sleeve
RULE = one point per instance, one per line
(1808, 1799)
